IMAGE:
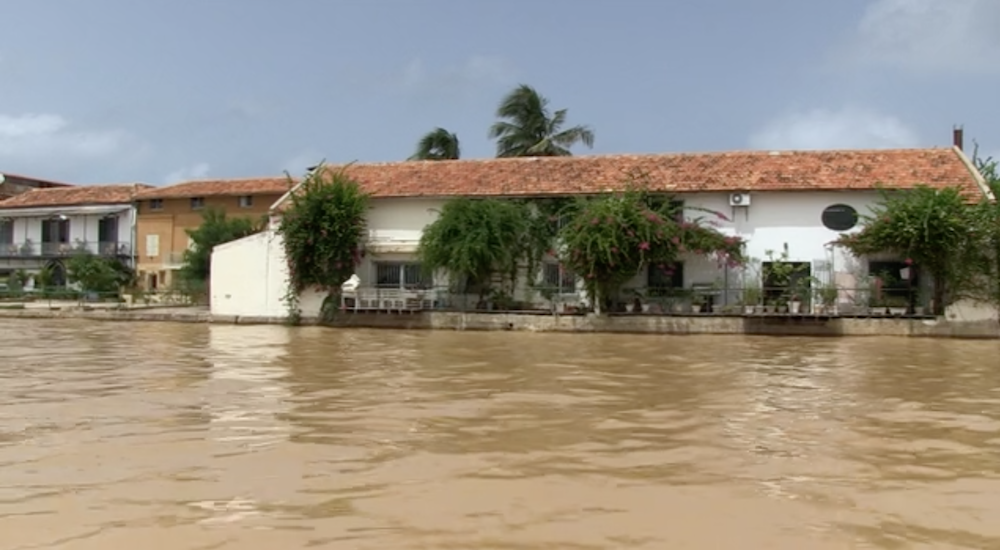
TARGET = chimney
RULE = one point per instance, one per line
(957, 135)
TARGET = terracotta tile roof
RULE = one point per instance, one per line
(672, 173)
(30, 181)
(208, 188)
(74, 196)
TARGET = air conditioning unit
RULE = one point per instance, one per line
(739, 199)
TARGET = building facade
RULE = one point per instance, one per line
(788, 207)
(166, 214)
(42, 228)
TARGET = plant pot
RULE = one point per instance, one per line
(782, 309)
(717, 308)
(759, 309)
(768, 309)
(749, 310)
(677, 308)
(794, 307)
(630, 308)
(919, 310)
(645, 308)
(695, 308)
(897, 311)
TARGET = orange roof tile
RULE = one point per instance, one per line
(669, 173)
(208, 188)
(74, 196)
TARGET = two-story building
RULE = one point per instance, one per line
(44, 227)
(166, 214)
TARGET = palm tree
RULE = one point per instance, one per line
(438, 144)
(529, 130)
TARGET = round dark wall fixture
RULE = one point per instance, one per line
(840, 217)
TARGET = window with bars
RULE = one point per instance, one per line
(558, 278)
(665, 279)
(403, 275)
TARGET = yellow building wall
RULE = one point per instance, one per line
(170, 225)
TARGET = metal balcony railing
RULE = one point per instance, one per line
(28, 249)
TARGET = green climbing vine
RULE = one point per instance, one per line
(323, 229)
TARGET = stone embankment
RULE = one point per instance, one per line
(775, 325)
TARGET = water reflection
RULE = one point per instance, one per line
(187, 436)
(247, 392)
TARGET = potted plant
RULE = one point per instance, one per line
(795, 304)
(751, 300)
(697, 303)
(718, 307)
(897, 305)
(828, 298)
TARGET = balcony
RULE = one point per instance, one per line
(173, 259)
(28, 249)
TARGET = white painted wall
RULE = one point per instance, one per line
(249, 275)
(250, 278)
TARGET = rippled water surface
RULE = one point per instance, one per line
(205, 437)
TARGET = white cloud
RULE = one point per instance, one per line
(33, 136)
(847, 128)
(194, 172)
(928, 35)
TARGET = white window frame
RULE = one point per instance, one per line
(402, 266)
(568, 281)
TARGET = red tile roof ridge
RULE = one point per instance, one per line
(75, 195)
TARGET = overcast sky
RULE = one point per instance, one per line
(157, 91)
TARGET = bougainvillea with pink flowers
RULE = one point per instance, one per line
(611, 238)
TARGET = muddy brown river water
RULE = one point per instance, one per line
(184, 437)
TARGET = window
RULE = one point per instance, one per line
(399, 275)
(558, 278)
(156, 204)
(663, 279)
(779, 277)
(107, 230)
(55, 231)
(152, 245)
(666, 202)
(839, 217)
(891, 280)
(6, 231)
(246, 201)
(197, 203)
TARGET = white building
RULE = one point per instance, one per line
(44, 227)
(793, 203)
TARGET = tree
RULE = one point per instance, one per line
(215, 229)
(474, 240)
(611, 238)
(986, 286)
(438, 144)
(323, 229)
(98, 274)
(527, 129)
(933, 229)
